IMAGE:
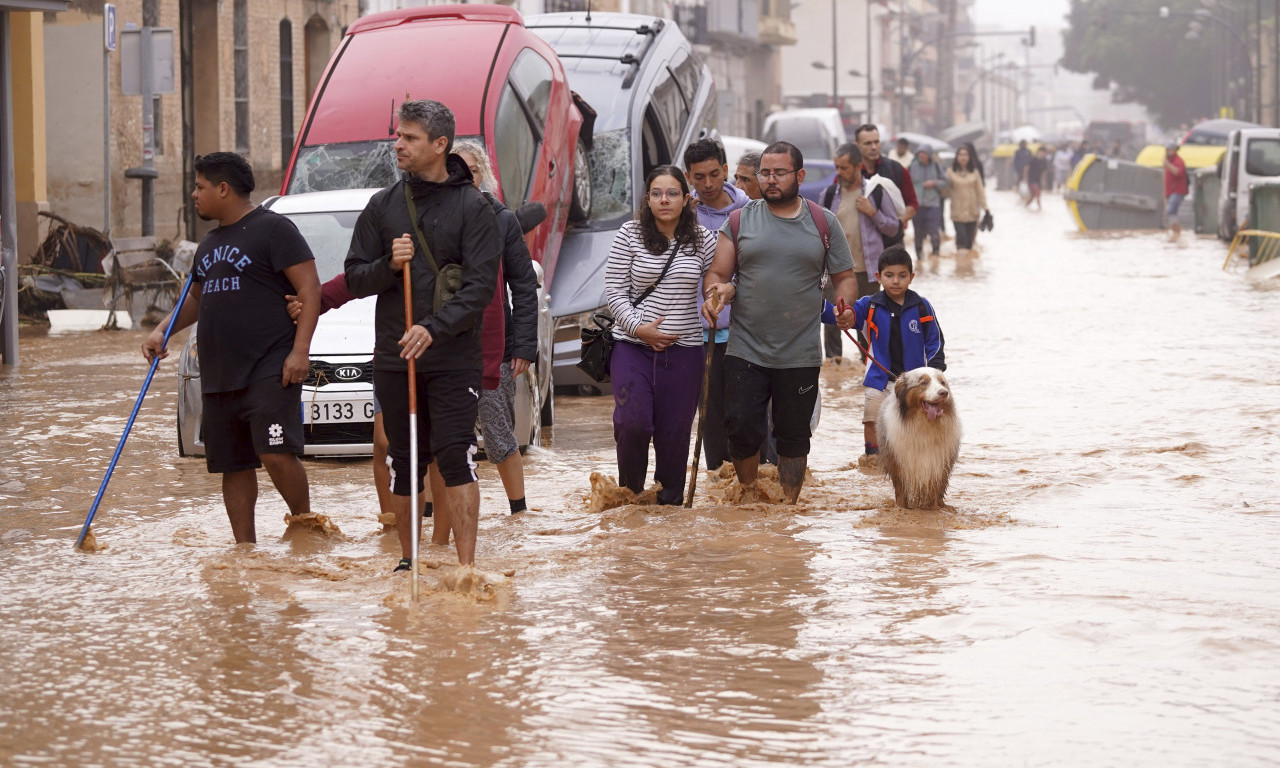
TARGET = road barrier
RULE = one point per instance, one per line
(1261, 249)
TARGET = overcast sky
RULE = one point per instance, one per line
(1020, 13)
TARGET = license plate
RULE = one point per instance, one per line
(331, 411)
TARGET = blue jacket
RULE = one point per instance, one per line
(922, 341)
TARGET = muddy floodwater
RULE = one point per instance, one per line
(1106, 593)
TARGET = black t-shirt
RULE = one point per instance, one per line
(245, 332)
(1036, 169)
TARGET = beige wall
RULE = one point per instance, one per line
(73, 93)
(29, 148)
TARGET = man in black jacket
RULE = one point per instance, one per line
(457, 226)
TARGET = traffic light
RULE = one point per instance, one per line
(1031, 38)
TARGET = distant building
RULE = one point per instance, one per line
(253, 64)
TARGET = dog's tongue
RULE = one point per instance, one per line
(932, 411)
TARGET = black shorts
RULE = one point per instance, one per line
(448, 402)
(748, 388)
(240, 426)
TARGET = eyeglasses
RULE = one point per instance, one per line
(774, 174)
(661, 194)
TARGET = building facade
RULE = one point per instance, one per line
(253, 67)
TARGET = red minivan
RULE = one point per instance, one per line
(506, 88)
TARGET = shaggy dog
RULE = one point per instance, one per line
(919, 436)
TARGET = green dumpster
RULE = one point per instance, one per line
(1205, 185)
(1105, 193)
(1264, 213)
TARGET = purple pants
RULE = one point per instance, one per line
(655, 397)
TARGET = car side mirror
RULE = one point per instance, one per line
(530, 215)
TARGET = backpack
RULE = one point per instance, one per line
(815, 210)
(819, 215)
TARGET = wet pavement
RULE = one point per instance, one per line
(1104, 594)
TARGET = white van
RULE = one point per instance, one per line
(817, 132)
(1253, 157)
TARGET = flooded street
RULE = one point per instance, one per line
(1105, 593)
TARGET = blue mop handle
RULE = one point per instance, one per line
(155, 361)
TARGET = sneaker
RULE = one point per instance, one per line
(405, 564)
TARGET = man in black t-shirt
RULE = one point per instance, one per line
(1033, 174)
(253, 359)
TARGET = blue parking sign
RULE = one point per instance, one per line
(109, 26)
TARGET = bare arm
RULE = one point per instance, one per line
(718, 289)
(306, 283)
(154, 346)
(845, 285)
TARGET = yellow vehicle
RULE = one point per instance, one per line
(1193, 156)
(1002, 160)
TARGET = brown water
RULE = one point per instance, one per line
(1107, 592)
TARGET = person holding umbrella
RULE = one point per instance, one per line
(436, 224)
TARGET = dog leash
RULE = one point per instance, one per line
(840, 308)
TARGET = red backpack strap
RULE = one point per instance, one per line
(735, 223)
(820, 219)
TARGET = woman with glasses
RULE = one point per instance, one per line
(651, 284)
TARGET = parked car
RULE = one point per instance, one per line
(817, 132)
(505, 86)
(1252, 158)
(652, 96)
(1214, 133)
(736, 146)
(337, 398)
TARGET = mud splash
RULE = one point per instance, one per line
(606, 494)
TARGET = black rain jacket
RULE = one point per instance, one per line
(460, 228)
(522, 281)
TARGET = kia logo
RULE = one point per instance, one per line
(347, 373)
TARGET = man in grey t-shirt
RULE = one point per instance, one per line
(774, 347)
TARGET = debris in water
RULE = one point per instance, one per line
(312, 521)
(387, 518)
(605, 494)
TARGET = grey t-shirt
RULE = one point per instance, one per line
(777, 306)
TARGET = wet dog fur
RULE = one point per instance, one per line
(919, 436)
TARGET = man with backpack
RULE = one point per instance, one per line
(867, 221)
(778, 248)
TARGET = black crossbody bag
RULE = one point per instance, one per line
(597, 343)
(449, 279)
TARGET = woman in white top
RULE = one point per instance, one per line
(651, 284)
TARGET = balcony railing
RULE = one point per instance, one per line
(691, 18)
(776, 27)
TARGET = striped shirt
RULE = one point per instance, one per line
(632, 269)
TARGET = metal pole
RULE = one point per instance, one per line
(835, 64)
(867, 3)
(902, 67)
(186, 35)
(8, 206)
(106, 141)
(1257, 81)
(148, 134)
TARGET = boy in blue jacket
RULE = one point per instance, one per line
(901, 328)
